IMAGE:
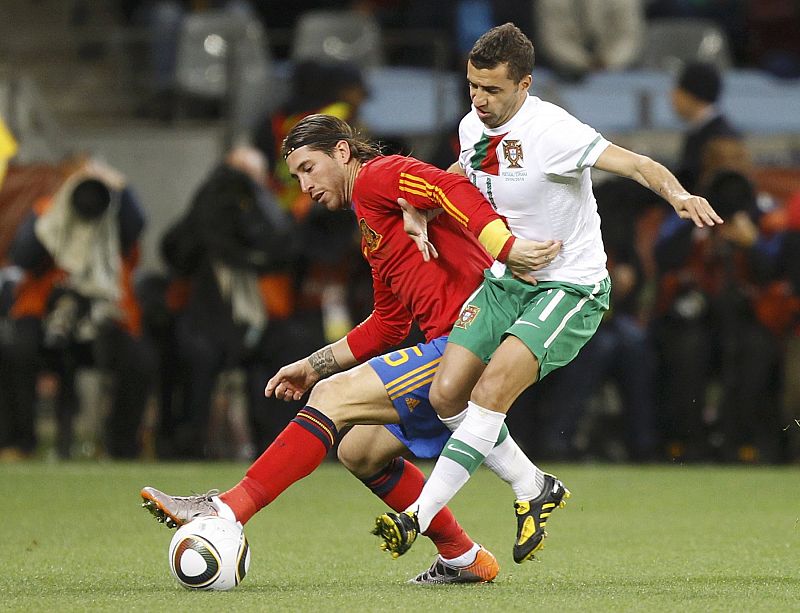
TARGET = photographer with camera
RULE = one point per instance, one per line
(232, 237)
(75, 306)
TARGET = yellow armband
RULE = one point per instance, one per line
(495, 239)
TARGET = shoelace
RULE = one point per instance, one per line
(204, 497)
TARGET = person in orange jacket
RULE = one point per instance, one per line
(75, 306)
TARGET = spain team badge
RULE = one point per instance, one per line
(372, 240)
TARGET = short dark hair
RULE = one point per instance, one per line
(730, 192)
(504, 44)
(322, 132)
(702, 80)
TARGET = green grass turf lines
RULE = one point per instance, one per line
(663, 538)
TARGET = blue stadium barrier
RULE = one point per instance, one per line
(412, 101)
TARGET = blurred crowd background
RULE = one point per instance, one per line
(159, 264)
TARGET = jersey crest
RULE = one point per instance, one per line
(467, 316)
(512, 151)
(372, 239)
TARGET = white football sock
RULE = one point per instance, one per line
(223, 510)
(463, 453)
(455, 421)
(511, 464)
(465, 559)
(508, 462)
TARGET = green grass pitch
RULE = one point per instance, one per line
(663, 538)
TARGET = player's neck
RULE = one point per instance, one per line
(353, 168)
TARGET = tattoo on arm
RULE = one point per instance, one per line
(323, 362)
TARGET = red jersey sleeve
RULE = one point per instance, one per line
(427, 187)
(388, 324)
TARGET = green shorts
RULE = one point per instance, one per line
(554, 320)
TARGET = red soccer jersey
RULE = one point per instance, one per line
(405, 286)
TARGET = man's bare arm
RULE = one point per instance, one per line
(656, 177)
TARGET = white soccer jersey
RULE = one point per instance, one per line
(535, 170)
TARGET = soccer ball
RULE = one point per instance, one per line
(210, 553)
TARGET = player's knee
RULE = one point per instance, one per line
(326, 397)
(482, 393)
(356, 459)
(447, 397)
(322, 393)
(498, 388)
(491, 388)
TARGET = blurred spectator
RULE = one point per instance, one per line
(472, 18)
(75, 307)
(694, 99)
(774, 45)
(713, 327)
(729, 15)
(331, 257)
(589, 35)
(459, 23)
(789, 315)
(233, 234)
(621, 351)
(332, 89)
(17, 436)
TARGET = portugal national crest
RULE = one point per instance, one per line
(467, 316)
(512, 151)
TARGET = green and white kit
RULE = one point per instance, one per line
(536, 171)
(554, 320)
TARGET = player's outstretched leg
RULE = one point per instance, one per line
(483, 570)
(532, 518)
(175, 511)
(398, 531)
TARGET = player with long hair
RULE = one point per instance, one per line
(351, 383)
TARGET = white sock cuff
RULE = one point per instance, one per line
(455, 421)
(223, 509)
(482, 424)
(477, 414)
(466, 558)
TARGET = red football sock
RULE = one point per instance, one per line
(398, 485)
(294, 454)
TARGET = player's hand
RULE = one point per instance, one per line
(292, 381)
(696, 208)
(415, 224)
(528, 256)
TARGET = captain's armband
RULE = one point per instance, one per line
(497, 239)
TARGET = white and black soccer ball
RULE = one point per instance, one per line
(210, 553)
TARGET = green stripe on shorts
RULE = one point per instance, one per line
(554, 320)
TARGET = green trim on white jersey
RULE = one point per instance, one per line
(536, 173)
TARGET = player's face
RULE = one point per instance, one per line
(682, 103)
(494, 95)
(321, 176)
